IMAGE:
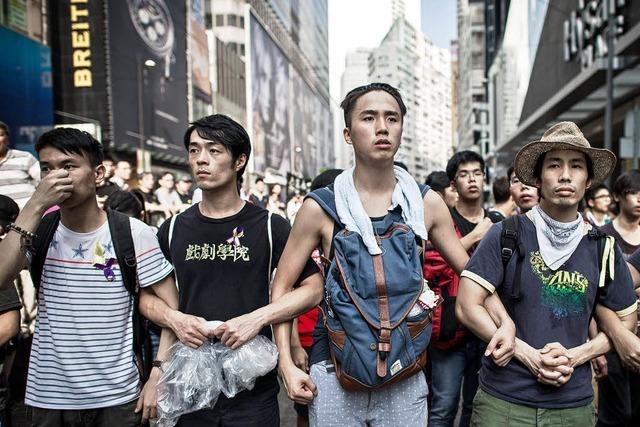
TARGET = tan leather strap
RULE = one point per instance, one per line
(384, 340)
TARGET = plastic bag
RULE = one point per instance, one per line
(194, 378)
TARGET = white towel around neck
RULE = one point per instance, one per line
(355, 219)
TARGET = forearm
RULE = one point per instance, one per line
(157, 310)
(612, 325)
(496, 310)
(13, 248)
(282, 334)
(167, 339)
(593, 329)
(477, 319)
(289, 305)
(593, 348)
(469, 240)
(9, 325)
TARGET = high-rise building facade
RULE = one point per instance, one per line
(421, 71)
(473, 115)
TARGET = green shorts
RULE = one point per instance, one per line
(489, 411)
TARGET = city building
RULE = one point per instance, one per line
(26, 71)
(473, 114)
(272, 69)
(454, 95)
(421, 71)
(568, 80)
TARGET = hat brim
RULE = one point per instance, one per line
(603, 160)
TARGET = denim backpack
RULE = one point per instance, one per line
(373, 340)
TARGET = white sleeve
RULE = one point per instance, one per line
(152, 265)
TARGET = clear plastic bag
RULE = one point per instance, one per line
(193, 378)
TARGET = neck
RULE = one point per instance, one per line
(3, 152)
(599, 216)
(221, 202)
(470, 208)
(626, 223)
(559, 213)
(374, 179)
(83, 218)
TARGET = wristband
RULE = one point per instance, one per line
(157, 364)
(26, 237)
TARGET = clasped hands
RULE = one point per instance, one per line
(553, 364)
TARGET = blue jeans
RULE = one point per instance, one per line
(451, 370)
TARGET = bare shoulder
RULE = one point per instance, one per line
(435, 209)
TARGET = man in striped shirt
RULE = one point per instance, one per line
(82, 369)
(19, 170)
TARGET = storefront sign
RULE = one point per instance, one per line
(585, 32)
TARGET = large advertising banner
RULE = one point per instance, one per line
(147, 46)
(79, 65)
(199, 51)
(26, 90)
(304, 141)
(269, 104)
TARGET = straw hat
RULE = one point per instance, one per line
(563, 136)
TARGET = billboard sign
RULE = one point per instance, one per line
(269, 103)
(147, 47)
(199, 51)
(27, 88)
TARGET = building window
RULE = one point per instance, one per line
(241, 20)
(241, 49)
(208, 21)
(233, 46)
(232, 20)
(219, 20)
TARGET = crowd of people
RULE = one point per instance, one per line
(391, 302)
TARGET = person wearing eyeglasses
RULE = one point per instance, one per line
(598, 201)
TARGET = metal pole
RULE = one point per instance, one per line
(140, 109)
(608, 114)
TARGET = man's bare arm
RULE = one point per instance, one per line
(9, 325)
(622, 335)
(438, 221)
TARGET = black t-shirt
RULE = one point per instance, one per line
(554, 306)
(465, 226)
(9, 301)
(222, 264)
(627, 248)
(185, 198)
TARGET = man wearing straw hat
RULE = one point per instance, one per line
(560, 270)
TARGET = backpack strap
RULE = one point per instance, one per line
(44, 234)
(169, 237)
(510, 244)
(424, 188)
(120, 229)
(270, 236)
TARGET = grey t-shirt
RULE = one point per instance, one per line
(554, 306)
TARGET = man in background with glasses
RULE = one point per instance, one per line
(598, 201)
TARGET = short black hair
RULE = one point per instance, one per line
(590, 194)
(401, 165)
(223, 130)
(258, 179)
(107, 157)
(9, 210)
(500, 189)
(126, 202)
(165, 173)
(627, 182)
(325, 179)
(70, 140)
(349, 101)
(537, 170)
(438, 181)
(510, 172)
(4, 127)
(461, 157)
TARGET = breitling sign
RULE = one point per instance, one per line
(80, 43)
(585, 32)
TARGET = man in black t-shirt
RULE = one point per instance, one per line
(550, 287)
(223, 258)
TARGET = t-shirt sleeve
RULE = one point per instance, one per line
(9, 299)
(281, 229)
(485, 266)
(618, 295)
(152, 264)
(34, 170)
(634, 260)
(163, 239)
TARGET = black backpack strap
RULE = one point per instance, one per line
(44, 234)
(120, 229)
(510, 244)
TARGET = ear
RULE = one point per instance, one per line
(100, 171)
(347, 135)
(241, 161)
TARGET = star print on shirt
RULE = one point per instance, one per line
(79, 252)
(108, 247)
(54, 243)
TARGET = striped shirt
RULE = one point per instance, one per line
(82, 355)
(19, 176)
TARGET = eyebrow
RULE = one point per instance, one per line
(375, 112)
